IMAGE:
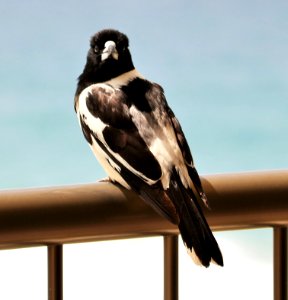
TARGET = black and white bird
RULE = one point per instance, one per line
(139, 142)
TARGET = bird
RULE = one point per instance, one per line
(134, 134)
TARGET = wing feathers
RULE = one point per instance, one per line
(131, 147)
(109, 105)
(183, 145)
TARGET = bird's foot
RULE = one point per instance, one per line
(106, 179)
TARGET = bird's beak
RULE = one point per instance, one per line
(109, 51)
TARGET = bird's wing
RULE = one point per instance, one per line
(182, 142)
(163, 134)
(107, 120)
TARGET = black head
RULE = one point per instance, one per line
(108, 57)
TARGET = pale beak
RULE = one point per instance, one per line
(109, 50)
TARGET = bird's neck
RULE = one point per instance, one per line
(107, 74)
(124, 78)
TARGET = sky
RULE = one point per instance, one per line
(223, 65)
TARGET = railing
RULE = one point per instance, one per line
(102, 211)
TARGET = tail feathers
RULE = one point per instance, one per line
(198, 239)
(180, 206)
(193, 227)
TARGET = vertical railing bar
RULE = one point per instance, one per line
(171, 267)
(280, 241)
(55, 272)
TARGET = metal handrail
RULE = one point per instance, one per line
(102, 211)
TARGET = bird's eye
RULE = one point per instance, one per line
(96, 49)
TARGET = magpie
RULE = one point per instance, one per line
(139, 142)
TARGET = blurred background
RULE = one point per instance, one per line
(223, 65)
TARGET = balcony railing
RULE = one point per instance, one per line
(102, 211)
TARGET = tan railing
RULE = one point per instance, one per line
(102, 211)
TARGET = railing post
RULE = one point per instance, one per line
(171, 267)
(55, 272)
(280, 263)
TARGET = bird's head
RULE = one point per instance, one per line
(108, 56)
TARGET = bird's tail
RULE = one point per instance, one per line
(193, 226)
(180, 206)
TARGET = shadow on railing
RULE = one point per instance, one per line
(102, 211)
